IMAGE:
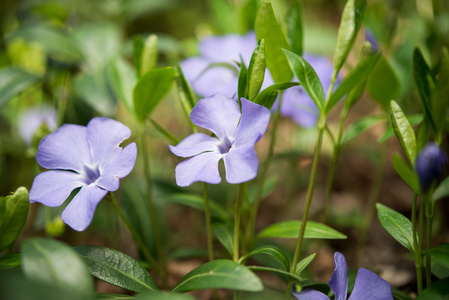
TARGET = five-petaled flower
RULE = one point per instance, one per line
(235, 137)
(430, 165)
(368, 285)
(87, 157)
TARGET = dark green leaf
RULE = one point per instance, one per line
(440, 99)
(304, 263)
(219, 274)
(406, 173)
(294, 22)
(256, 71)
(12, 82)
(398, 226)
(413, 119)
(437, 291)
(307, 78)
(185, 92)
(440, 257)
(383, 83)
(13, 216)
(259, 268)
(187, 253)
(54, 263)
(225, 235)
(268, 96)
(242, 89)
(267, 28)
(159, 295)
(403, 131)
(150, 90)
(10, 261)
(116, 268)
(352, 80)
(290, 229)
(197, 202)
(359, 127)
(149, 54)
(442, 191)
(272, 251)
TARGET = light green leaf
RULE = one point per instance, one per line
(442, 191)
(259, 268)
(122, 80)
(223, 15)
(242, 88)
(197, 202)
(54, 263)
(272, 251)
(406, 173)
(398, 226)
(13, 216)
(159, 295)
(185, 93)
(383, 83)
(12, 82)
(307, 78)
(256, 71)
(149, 54)
(116, 268)
(294, 22)
(359, 127)
(403, 131)
(268, 96)
(10, 261)
(389, 132)
(219, 274)
(225, 235)
(150, 90)
(302, 265)
(137, 54)
(290, 229)
(267, 28)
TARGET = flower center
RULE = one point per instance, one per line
(224, 145)
(91, 174)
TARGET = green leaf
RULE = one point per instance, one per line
(197, 202)
(185, 93)
(302, 265)
(440, 99)
(100, 296)
(122, 80)
(436, 291)
(256, 71)
(352, 80)
(389, 132)
(294, 22)
(268, 96)
(12, 82)
(159, 295)
(187, 253)
(425, 82)
(149, 54)
(403, 131)
(441, 192)
(116, 268)
(259, 268)
(383, 83)
(13, 216)
(223, 15)
(150, 90)
(267, 28)
(10, 261)
(398, 226)
(225, 235)
(242, 89)
(406, 173)
(52, 262)
(440, 256)
(359, 127)
(137, 54)
(220, 274)
(349, 25)
(290, 229)
(272, 251)
(307, 78)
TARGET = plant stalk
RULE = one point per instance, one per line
(210, 245)
(418, 259)
(238, 209)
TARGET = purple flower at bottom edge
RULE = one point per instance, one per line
(368, 285)
(430, 164)
(87, 157)
(236, 135)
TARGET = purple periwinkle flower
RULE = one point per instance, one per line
(206, 79)
(87, 157)
(430, 165)
(368, 285)
(31, 119)
(236, 134)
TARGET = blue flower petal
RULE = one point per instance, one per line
(195, 144)
(52, 188)
(253, 123)
(241, 164)
(80, 211)
(203, 167)
(297, 105)
(64, 149)
(339, 279)
(369, 286)
(309, 294)
(229, 47)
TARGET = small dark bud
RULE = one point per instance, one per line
(430, 165)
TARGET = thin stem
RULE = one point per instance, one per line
(210, 245)
(421, 229)
(418, 260)
(429, 218)
(309, 196)
(152, 207)
(238, 209)
(136, 236)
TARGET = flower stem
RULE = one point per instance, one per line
(238, 209)
(429, 218)
(421, 229)
(210, 245)
(152, 207)
(132, 229)
(418, 260)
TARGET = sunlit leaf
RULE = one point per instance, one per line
(268, 96)
(272, 251)
(403, 131)
(149, 54)
(256, 71)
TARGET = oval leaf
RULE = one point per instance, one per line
(225, 234)
(398, 226)
(116, 268)
(304, 263)
(268, 96)
(442, 191)
(290, 229)
(256, 71)
(440, 254)
(55, 263)
(403, 131)
(220, 274)
(149, 54)
(150, 90)
(13, 216)
(273, 251)
(267, 28)
(406, 173)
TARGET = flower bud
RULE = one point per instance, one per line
(430, 165)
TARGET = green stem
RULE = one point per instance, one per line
(136, 236)
(418, 260)
(429, 218)
(152, 207)
(238, 209)
(421, 228)
(210, 245)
